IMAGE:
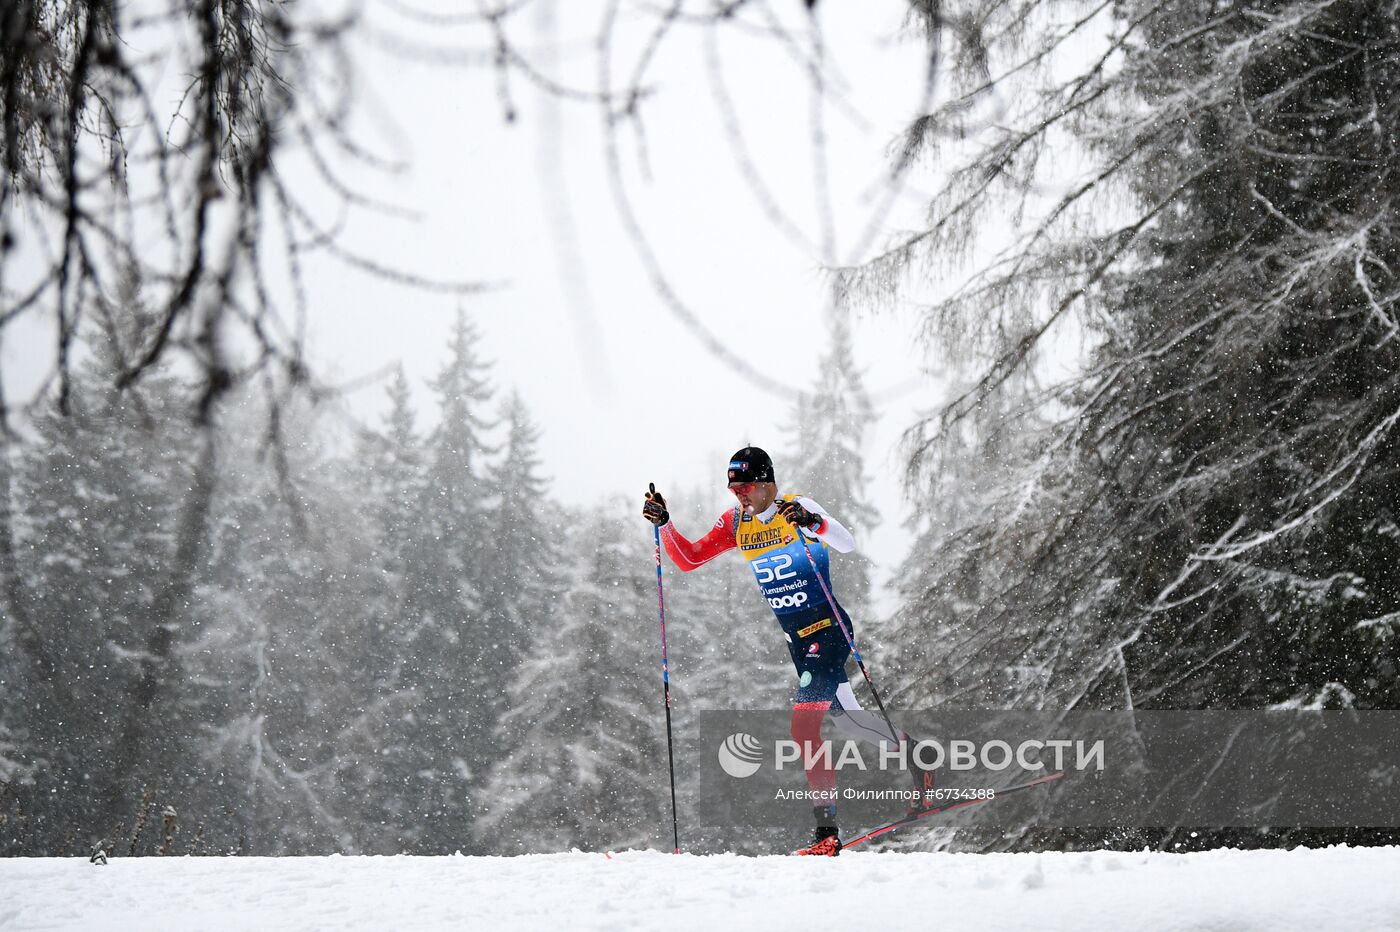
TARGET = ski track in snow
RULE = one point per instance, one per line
(1334, 888)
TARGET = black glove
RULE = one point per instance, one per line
(798, 515)
(655, 508)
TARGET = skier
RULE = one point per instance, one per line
(772, 532)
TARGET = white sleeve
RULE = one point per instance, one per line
(833, 533)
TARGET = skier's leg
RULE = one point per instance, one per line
(816, 691)
(856, 723)
(807, 716)
(820, 659)
(859, 724)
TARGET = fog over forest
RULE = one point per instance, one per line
(253, 606)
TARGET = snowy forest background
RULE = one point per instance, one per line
(399, 642)
(394, 638)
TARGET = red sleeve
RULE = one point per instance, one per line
(688, 556)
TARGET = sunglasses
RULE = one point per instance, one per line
(743, 488)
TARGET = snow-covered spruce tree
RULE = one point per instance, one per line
(444, 597)
(1206, 515)
(302, 701)
(973, 537)
(522, 580)
(1210, 491)
(19, 758)
(390, 466)
(97, 595)
(388, 476)
(826, 456)
(581, 751)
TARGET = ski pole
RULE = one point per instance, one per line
(846, 632)
(666, 686)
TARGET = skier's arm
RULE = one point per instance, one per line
(687, 555)
(832, 532)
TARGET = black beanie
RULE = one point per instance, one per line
(751, 465)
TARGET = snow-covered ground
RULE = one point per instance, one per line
(1337, 888)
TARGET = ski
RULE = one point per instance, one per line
(960, 804)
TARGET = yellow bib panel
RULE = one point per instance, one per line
(782, 562)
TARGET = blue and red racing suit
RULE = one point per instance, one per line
(774, 549)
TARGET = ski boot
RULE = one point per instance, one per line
(826, 842)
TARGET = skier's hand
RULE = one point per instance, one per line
(655, 508)
(798, 515)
